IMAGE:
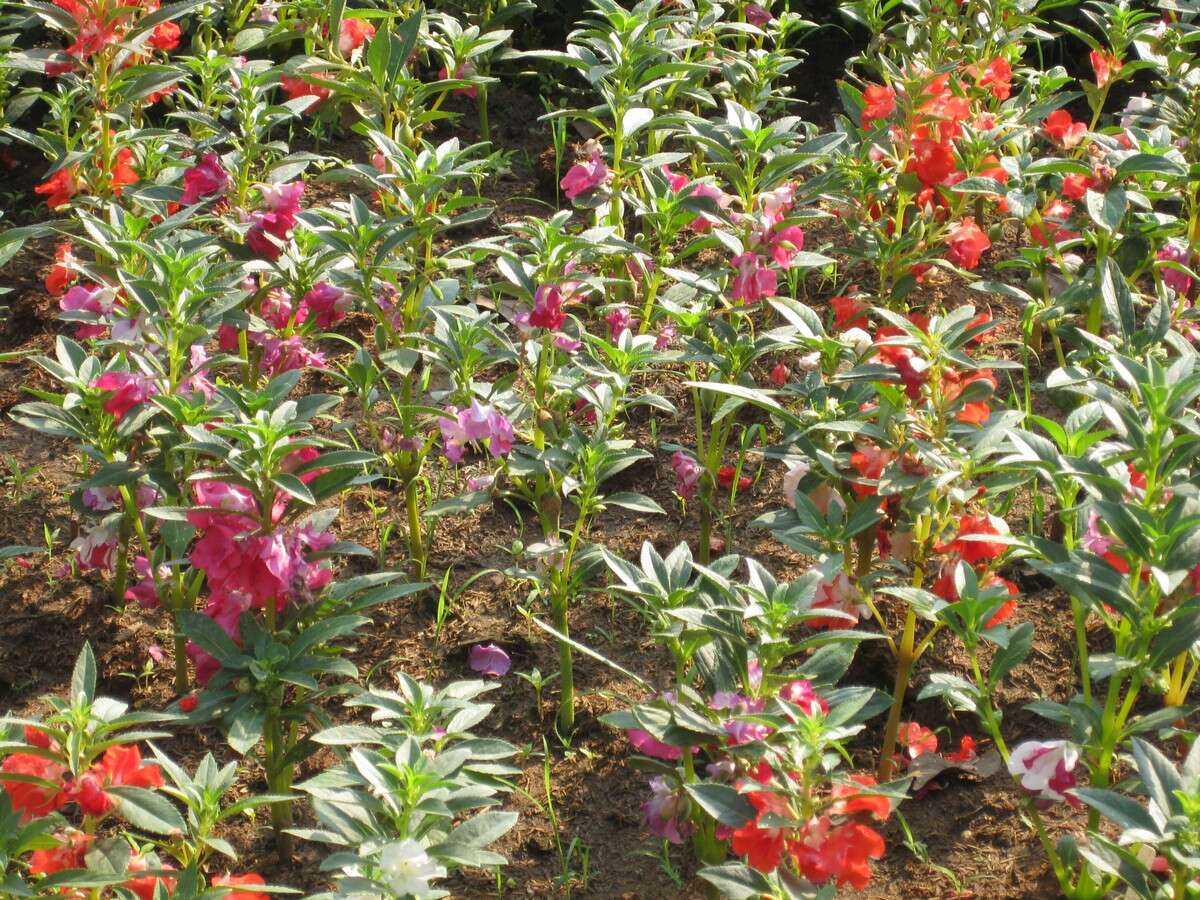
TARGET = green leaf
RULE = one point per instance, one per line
(1117, 300)
(1007, 658)
(737, 881)
(246, 728)
(1121, 809)
(722, 802)
(83, 678)
(147, 810)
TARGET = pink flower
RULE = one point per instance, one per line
(742, 732)
(286, 354)
(800, 693)
(837, 594)
(352, 34)
(488, 659)
(87, 298)
(478, 422)
(547, 308)
(785, 243)
(1046, 770)
(647, 745)
(582, 178)
(327, 303)
(205, 178)
(666, 812)
(666, 336)
(703, 223)
(675, 180)
(277, 309)
(128, 389)
(145, 591)
(619, 321)
(753, 280)
(1180, 282)
(756, 15)
(1094, 539)
(464, 71)
(283, 198)
(97, 549)
(687, 473)
(283, 203)
(101, 499)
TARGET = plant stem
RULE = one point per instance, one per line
(416, 542)
(904, 663)
(566, 665)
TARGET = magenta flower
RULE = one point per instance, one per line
(464, 71)
(128, 389)
(619, 321)
(488, 659)
(205, 178)
(756, 15)
(277, 309)
(723, 200)
(286, 354)
(145, 592)
(283, 203)
(283, 198)
(666, 812)
(87, 298)
(753, 280)
(666, 336)
(742, 732)
(675, 180)
(1046, 769)
(687, 473)
(785, 243)
(1094, 539)
(800, 693)
(101, 499)
(327, 303)
(648, 745)
(478, 422)
(547, 308)
(1180, 282)
(583, 178)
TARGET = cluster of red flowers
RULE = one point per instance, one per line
(104, 23)
(55, 787)
(822, 849)
(68, 181)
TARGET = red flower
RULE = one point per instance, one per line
(917, 739)
(998, 77)
(849, 800)
(965, 751)
(974, 552)
(848, 312)
(122, 172)
(843, 853)
(933, 161)
(120, 765)
(762, 847)
(67, 855)
(61, 276)
(725, 478)
(1075, 187)
(1008, 607)
(910, 368)
(188, 703)
(29, 799)
(1063, 130)
(779, 374)
(879, 102)
(353, 34)
(251, 878)
(953, 384)
(869, 461)
(144, 887)
(966, 244)
(60, 187)
(165, 36)
(1105, 65)
(297, 87)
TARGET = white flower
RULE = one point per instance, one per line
(791, 480)
(1046, 768)
(408, 869)
(858, 338)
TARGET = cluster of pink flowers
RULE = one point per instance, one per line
(770, 240)
(247, 562)
(478, 422)
(272, 226)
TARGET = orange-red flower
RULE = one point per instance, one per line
(879, 102)
(67, 855)
(933, 161)
(251, 878)
(61, 275)
(842, 853)
(60, 187)
(121, 765)
(1104, 65)
(974, 552)
(998, 77)
(165, 36)
(1063, 130)
(849, 800)
(762, 847)
(966, 244)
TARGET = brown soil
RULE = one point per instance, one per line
(970, 829)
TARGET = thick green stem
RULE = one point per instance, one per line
(416, 543)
